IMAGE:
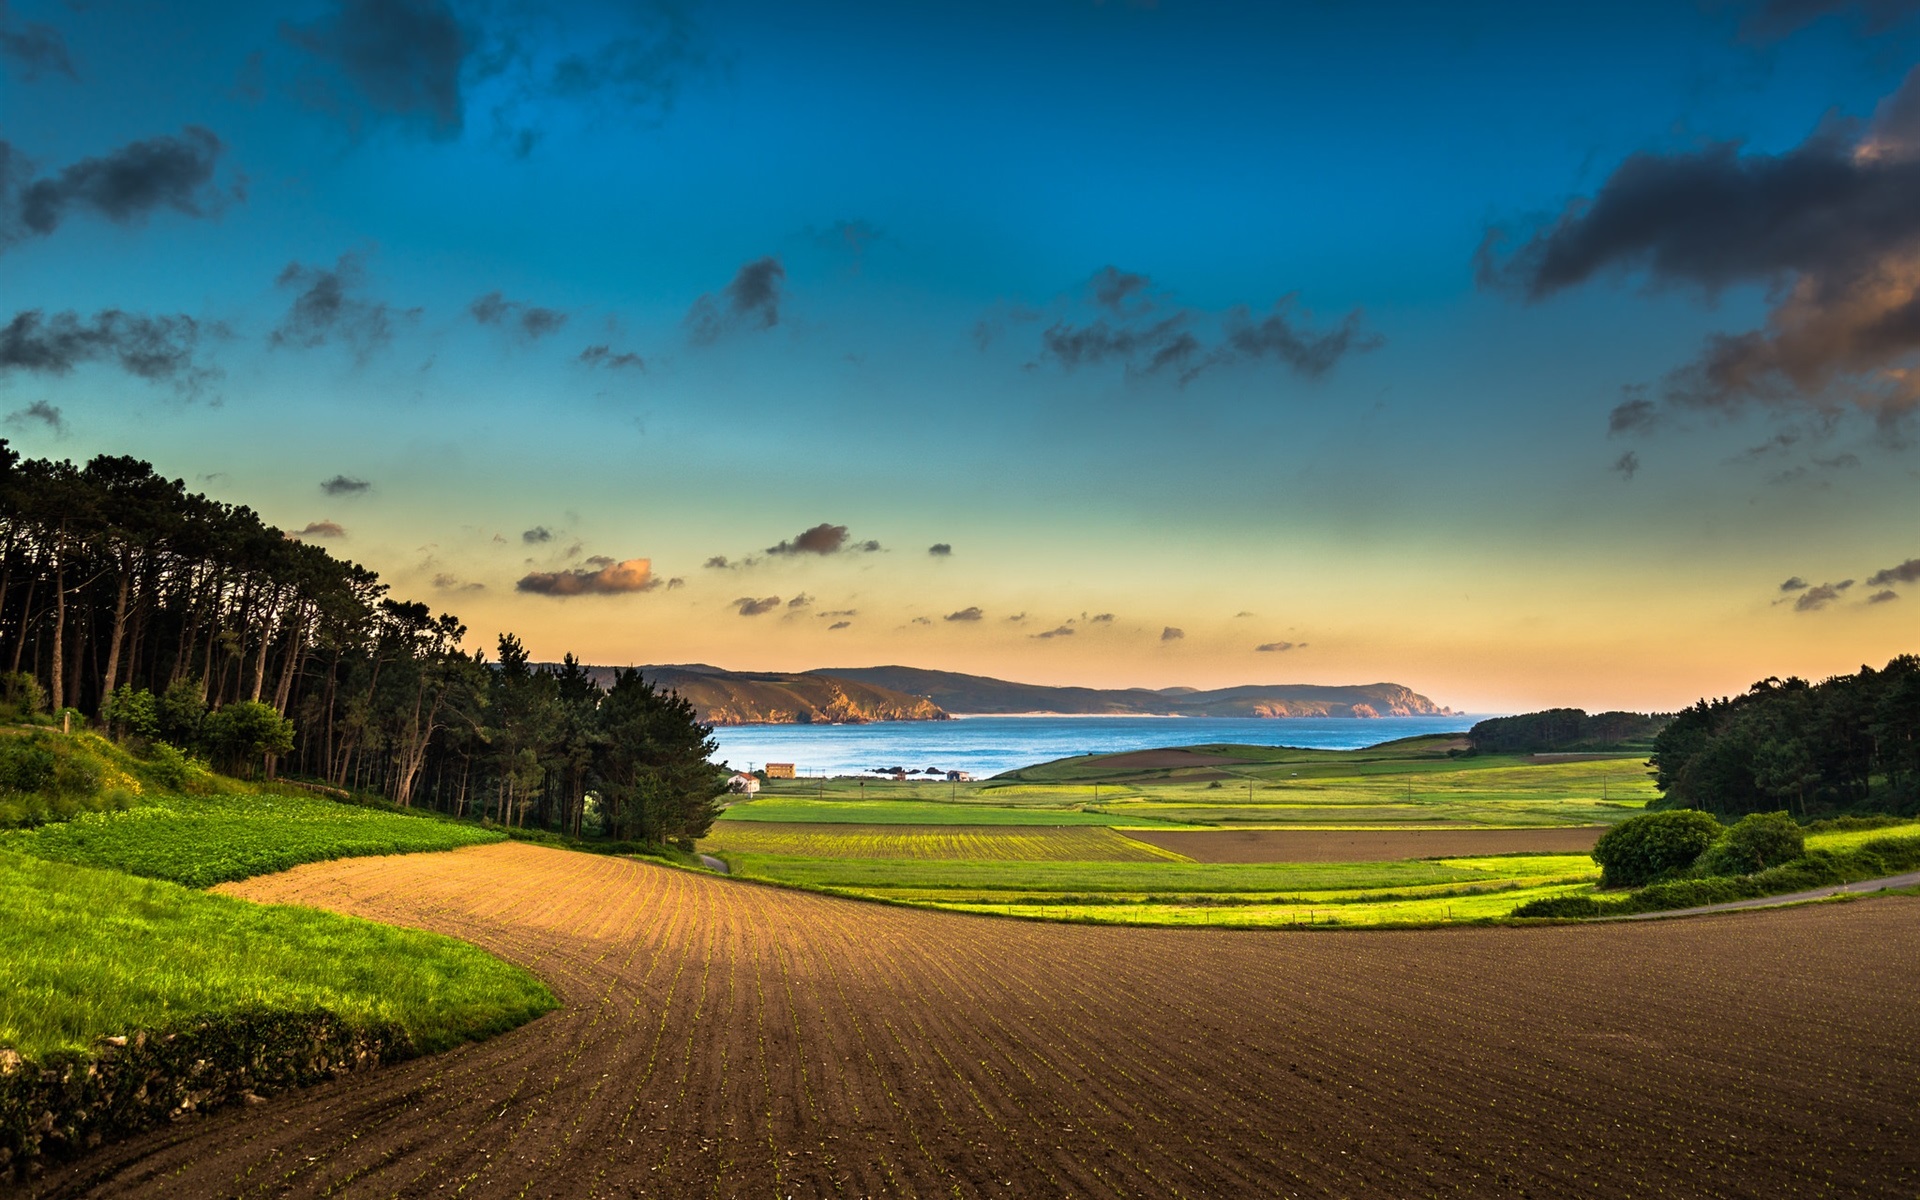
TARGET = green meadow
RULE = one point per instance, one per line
(104, 931)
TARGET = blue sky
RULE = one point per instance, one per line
(1170, 312)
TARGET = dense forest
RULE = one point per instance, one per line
(1849, 743)
(1564, 729)
(169, 617)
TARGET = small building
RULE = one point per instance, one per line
(779, 770)
(743, 784)
(959, 776)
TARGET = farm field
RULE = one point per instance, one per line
(1400, 785)
(1395, 834)
(1365, 845)
(994, 843)
(719, 1039)
(203, 840)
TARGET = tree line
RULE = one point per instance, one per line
(1851, 742)
(1564, 729)
(176, 618)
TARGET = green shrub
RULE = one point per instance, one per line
(239, 735)
(1566, 906)
(129, 713)
(1644, 849)
(177, 772)
(1758, 841)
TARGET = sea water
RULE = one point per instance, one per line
(985, 746)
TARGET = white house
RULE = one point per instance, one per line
(743, 784)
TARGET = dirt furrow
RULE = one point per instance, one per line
(724, 1039)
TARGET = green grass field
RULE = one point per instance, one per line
(203, 840)
(86, 952)
(910, 842)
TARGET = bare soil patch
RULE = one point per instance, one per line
(1365, 845)
(726, 1039)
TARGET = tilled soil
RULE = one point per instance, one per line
(725, 1039)
(1364, 845)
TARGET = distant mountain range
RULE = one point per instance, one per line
(852, 695)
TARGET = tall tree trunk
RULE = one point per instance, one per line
(109, 678)
(57, 670)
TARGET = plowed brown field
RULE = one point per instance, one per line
(726, 1039)
(1365, 845)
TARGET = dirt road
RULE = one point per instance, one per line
(724, 1039)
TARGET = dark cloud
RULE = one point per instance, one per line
(345, 485)
(1149, 334)
(40, 413)
(1243, 613)
(1816, 598)
(35, 47)
(125, 186)
(1795, 584)
(1635, 414)
(525, 320)
(800, 601)
(160, 349)
(603, 356)
(718, 562)
(1098, 618)
(1906, 572)
(601, 576)
(1277, 335)
(923, 620)
(1056, 632)
(453, 583)
(1172, 634)
(390, 58)
(839, 612)
(1148, 348)
(867, 547)
(1627, 464)
(641, 69)
(1775, 19)
(1276, 647)
(1831, 230)
(1120, 292)
(749, 607)
(676, 582)
(1016, 618)
(821, 539)
(325, 307)
(971, 613)
(839, 625)
(321, 529)
(940, 549)
(751, 301)
(1882, 597)
(536, 535)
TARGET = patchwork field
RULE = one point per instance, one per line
(988, 843)
(725, 1040)
(1364, 845)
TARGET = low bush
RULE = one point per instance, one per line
(1644, 849)
(1756, 842)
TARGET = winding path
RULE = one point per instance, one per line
(723, 1039)
(1864, 886)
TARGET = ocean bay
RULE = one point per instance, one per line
(989, 745)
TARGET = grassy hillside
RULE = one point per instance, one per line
(203, 840)
(89, 952)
